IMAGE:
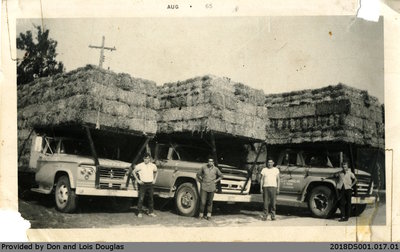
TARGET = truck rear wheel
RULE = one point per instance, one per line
(187, 200)
(321, 202)
(357, 209)
(65, 197)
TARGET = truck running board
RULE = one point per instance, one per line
(286, 200)
(41, 190)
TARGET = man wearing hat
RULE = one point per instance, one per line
(145, 174)
(208, 176)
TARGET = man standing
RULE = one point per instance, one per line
(208, 176)
(347, 180)
(145, 174)
(269, 187)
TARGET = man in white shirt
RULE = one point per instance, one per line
(347, 180)
(269, 187)
(145, 174)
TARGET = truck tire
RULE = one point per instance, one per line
(187, 200)
(65, 197)
(357, 209)
(321, 202)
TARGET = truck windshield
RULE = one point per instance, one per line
(318, 159)
(191, 153)
(82, 148)
(74, 146)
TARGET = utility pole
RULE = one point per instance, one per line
(102, 48)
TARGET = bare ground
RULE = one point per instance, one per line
(99, 213)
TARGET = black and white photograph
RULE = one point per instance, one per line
(198, 122)
(201, 122)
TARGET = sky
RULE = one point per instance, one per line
(275, 54)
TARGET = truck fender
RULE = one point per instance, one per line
(186, 175)
(72, 179)
(319, 181)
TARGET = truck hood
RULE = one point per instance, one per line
(231, 170)
(360, 172)
(86, 160)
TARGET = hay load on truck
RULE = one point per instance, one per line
(202, 117)
(312, 132)
(79, 133)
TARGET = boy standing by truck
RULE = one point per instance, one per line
(208, 176)
(269, 187)
(145, 174)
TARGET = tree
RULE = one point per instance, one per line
(40, 56)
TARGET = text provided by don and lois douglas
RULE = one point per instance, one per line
(62, 246)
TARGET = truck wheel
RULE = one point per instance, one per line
(357, 209)
(65, 197)
(321, 202)
(187, 200)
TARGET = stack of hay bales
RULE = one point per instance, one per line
(87, 96)
(333, 113)
(211, 103)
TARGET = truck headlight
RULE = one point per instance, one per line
(86, 171)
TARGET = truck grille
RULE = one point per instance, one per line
(110, 186)
(111, 178)
(228, 186)
(363, 185)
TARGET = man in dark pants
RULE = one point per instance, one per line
(269, 187)
(209, 176)
(347, 180)
(145, 174)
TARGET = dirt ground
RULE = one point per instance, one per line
(98, 213)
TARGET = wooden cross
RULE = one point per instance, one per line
(102, 48)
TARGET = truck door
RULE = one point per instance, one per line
(165, 165)
(292, 172)
(45, 169)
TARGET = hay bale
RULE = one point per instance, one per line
(332, 113)
(212, 103)
(89, 96)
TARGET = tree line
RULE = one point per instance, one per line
(39, 58)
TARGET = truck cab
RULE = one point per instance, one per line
(65, 166)
(178, 165)
(310, 177)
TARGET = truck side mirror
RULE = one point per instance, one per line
(38, 144)
(37, 151)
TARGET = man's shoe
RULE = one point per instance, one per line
(343, 219)
(140, 215)
(264, 218)
(273, 218)
(152, 215)
(208, 218)
(200, 217)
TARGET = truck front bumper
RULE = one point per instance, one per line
(363, 200)
(106, 192)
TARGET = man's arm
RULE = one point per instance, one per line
(199, 175)
(219, 174)
(135, 175)
(261, 182)
(354, 179)
(155, 174)
(278, 182)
